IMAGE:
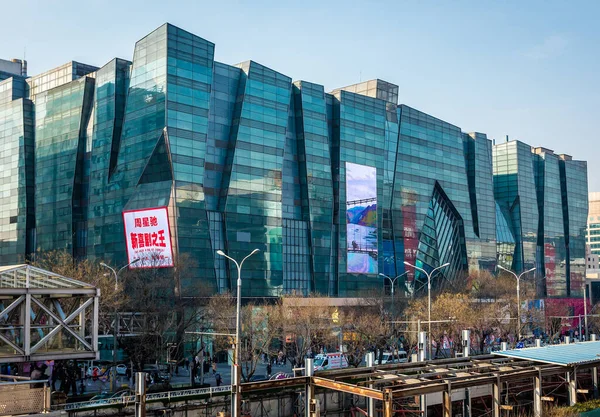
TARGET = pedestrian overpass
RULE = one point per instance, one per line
(46, 316)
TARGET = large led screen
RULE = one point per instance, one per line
(361, 218)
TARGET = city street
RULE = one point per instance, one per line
(182, 379)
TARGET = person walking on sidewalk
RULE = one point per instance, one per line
(214, 368)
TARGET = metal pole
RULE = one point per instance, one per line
(236, 399)
(585, 309)
(504, 346)
(580, 333)
(466, 336)
(572, 387)
(429, 345)
(537, 394)
(393, 282)
(421, 347)
(447, 401)
(113, 371)
(594, 371)
(519, 306)
(309, 389)
(370, 359)
(140, 394)
(518, 278)
(496, 387)
(235, 396)
(428, 275)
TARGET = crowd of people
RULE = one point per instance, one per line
(60, 375)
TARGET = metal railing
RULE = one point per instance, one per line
(129, 400)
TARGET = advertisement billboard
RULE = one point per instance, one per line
(148, 238)
(361, 218)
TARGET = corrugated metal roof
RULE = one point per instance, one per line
(27, 276)
(565, 355)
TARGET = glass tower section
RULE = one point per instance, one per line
(478, 154)
(62, 114)
(317, 188)
(435, 200)
(253, 206)
(574, 191)
(515, 192)
(17, 174)
(552, 259)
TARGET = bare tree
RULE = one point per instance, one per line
(63, 263)
(260, 328)
(307, 325)
(364, 331)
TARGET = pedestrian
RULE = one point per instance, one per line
(187, 364)
(269, 369)
(214, 368)
(73, 377)
(55, 373)
(218, 379)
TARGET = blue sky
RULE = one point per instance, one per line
(528, 69)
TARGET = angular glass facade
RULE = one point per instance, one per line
(540, 196)
(333, 188)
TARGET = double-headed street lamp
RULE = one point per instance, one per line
(235, 380)
(393, 282)
(428, 275)
(113, 371)
(518, 278)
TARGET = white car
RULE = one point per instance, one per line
(399, 356)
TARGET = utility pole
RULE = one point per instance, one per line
(236, 399)
(518, 278)
(113, 371)
(428, 275)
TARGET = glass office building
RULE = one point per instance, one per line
(333, 188)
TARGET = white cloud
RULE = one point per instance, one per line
(551, 47)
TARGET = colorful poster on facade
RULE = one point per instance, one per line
(361, 218)
(148, 238)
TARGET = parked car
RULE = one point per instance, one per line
(399, 356)
(158, 373)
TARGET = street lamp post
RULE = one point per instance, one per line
(113, 371)
(428, 275)
(584, 310)
(235, 380)
(392, 282)
(518, 278)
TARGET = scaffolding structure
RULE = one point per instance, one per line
(409, 388)
(46, 316)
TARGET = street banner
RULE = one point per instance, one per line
(148, 238)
